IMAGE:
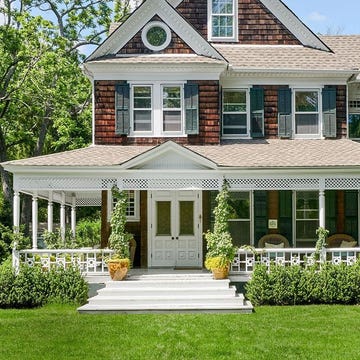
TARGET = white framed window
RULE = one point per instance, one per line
(133, 208)
(306, 215)
(222, 20)
(142, 108)
(307, 105)
(235, 117)
(156, 35)
(157, 109)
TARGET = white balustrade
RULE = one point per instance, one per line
(88, 261)
(245, 260)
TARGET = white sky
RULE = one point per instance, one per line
(328, 16)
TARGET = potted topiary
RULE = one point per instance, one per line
(119, 239)
(220, 249)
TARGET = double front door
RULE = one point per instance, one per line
(175, 228)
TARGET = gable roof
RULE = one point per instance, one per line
(143, 14)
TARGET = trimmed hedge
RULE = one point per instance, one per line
(34, 287)
(294, 285)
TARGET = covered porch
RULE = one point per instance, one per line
(276, 188)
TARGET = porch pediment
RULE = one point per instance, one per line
(169, 156)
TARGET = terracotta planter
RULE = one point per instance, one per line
(117, 269)
(220, 273)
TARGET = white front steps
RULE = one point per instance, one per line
(167, 293)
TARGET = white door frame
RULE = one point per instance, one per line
(175, 197)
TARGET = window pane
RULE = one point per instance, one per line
(240, 232)
(307, 205)
(171, 120)
(171, 97)
(306, 229)
(354, 125)
(156, 36)
(163, 218)
(186, 217)
(240, 205)
(142, 91)
(307, 123)
(142, 103)
(222, 6)
(306, 101)
(142, 120)
(234, 101)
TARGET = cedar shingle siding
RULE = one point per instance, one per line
(256, 24)
(209, 117)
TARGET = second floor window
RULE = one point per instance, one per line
(307, 112)
(157, 109)
(222, 19)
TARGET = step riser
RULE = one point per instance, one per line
(165, 292)
(166, 284)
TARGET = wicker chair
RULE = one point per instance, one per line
(334, 241)
(275, 239)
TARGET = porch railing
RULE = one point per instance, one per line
(245, 260)
(93, 261)
(88, 261)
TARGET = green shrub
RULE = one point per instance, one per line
(88, 232)
(294, 285)
(33, 287)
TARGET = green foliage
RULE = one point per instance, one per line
(7, 240)
(295, 285)
(119, 237)
(88, 232)
(219, 241)
(33, 287)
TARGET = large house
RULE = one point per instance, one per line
(189, 94)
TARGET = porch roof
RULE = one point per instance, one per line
(252, 154)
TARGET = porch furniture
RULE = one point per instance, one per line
(273, 240)
(341, 240)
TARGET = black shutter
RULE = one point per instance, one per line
(284, 112)
(191, 95)
(329, 111)
(257, 112)
(122, 109)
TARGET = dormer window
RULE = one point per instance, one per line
(222, 20)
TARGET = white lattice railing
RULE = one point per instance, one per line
(88, 261)
(245, 260)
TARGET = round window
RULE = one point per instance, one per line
(156, 36)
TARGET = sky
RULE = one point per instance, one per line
(328, 16)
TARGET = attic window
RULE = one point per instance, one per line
(156, 36)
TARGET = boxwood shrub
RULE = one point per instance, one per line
(33, 287)
(295, 285)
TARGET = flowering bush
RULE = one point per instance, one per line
(219, 242)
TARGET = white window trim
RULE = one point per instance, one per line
(133, 218)
(157, 109)
(235, 36)
(320, 127)
(149, 26)
(242, 136)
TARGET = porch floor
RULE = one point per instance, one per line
(166, 290)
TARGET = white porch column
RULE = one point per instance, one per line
(16, 213)
(62, 218)
(50, 213)
(34, 221)
(322, 208)
(73, 216)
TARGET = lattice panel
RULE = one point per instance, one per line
(342, 183)
(273, 183)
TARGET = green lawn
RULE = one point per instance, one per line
(303, 332)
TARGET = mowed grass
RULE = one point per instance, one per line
(302, 332)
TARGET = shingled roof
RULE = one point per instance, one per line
(242, 154)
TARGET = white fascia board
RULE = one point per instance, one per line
(106, 71)
(148, 9)
(294, 24)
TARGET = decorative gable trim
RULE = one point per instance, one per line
(143, 14)
(294, 24)
(169, 155)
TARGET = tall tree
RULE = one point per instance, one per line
(44, 97)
